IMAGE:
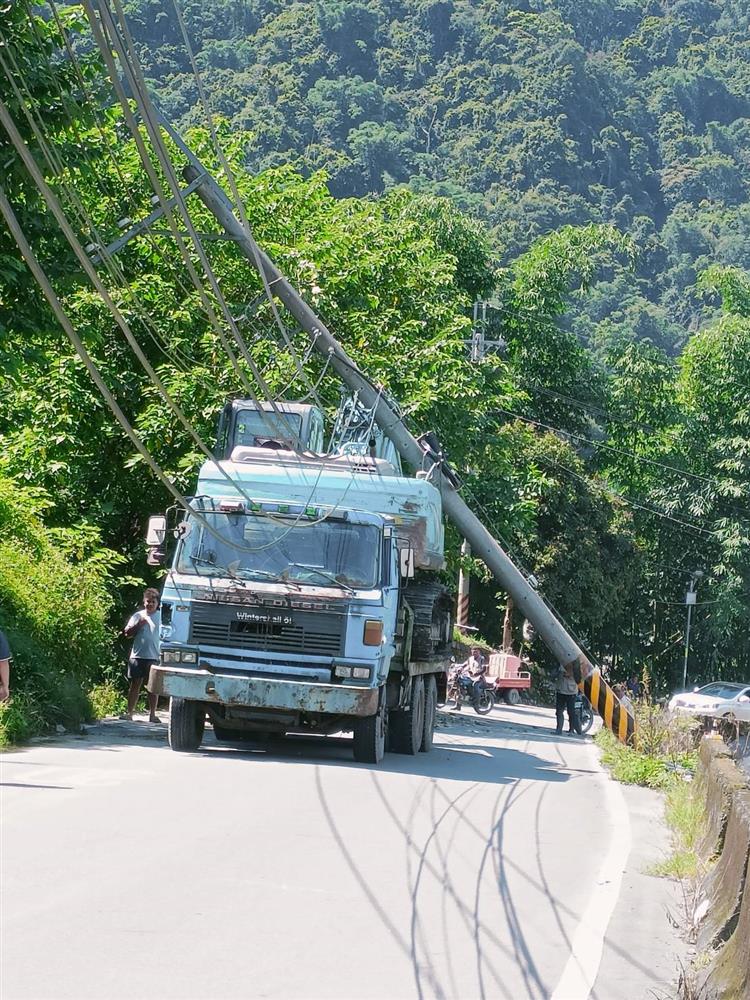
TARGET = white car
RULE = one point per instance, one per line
(719, 700)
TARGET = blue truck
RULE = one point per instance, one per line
(303, 593)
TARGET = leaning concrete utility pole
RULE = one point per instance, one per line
(528, 602)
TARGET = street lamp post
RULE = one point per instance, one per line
(690, 600)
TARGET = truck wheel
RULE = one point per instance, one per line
(407, 725)
(370, 735)
(430, 712)
(186, 722)
(512, 697)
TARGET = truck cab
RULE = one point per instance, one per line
(252, 423)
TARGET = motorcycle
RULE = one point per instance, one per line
(463, 687)
(585, 712)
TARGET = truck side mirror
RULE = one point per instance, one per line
(156, 531)
(406, 562)
(155, 556)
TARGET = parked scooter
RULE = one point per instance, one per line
(585, 712)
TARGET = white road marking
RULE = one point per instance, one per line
(579, 974)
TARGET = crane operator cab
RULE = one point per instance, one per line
(248, 423)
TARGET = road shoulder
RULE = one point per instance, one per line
(643, 947)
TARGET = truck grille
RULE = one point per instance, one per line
(311, 632)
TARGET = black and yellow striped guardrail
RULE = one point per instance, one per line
(606, 703)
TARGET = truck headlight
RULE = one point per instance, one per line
(179, 656)
(362, 673)
(341, 671)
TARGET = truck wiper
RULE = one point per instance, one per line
(204, 561)
(321, 572)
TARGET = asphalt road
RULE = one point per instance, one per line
(488, 868)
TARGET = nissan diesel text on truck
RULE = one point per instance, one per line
(303, 593)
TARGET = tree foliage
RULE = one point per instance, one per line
(534, 115)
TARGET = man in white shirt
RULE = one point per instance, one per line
(144, 628)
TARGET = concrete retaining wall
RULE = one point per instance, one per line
(725, 898)
(718, 779)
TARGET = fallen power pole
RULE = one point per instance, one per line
(557, 638)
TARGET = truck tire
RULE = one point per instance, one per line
(370, 737)
(511, 696)
(406, 728)
(187, 720)
(430, 713)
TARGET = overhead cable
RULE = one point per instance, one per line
(136, 81)
(621, 451)
(238, 202)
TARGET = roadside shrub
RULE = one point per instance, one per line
(54, 603)
(106, 699)
(630, 765)
(665, 748)
(674, 738)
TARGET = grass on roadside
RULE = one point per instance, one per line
(663, 752)
(664, 756)
(685, 812)
(633, 767)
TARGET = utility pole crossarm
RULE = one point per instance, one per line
(530, 604)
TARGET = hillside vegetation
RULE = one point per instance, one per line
(531, 115)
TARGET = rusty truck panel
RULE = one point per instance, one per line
(262, 692)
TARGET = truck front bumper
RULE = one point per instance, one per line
(262, 692)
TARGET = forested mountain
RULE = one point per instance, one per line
(530, 114)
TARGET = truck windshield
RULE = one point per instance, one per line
(252, 426)
(254, 547)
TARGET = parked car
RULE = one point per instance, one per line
(718, 700)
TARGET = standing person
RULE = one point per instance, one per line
(622, 693)
(144, 628)
(4, 668)
(566, 690)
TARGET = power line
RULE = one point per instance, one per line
(93, 370)
(125, 186)
(106, 50)
(84, 218)
(59, 215)
(123, 45)
(229, 173)
(628, 501)
(620, 451)
(590, 407)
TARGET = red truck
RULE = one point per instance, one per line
(505, 673)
